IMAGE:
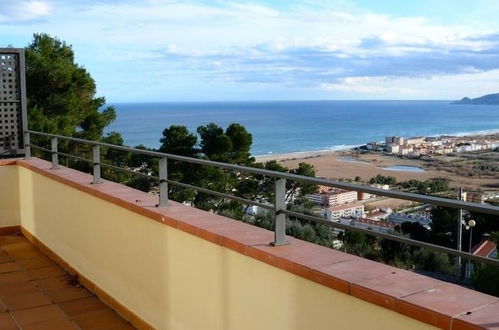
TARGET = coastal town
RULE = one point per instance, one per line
(419, 146)
(352, 208)
(446, 158)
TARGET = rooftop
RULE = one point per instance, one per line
(484, 248)
(159, 266)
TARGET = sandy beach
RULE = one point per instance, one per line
(339, 165)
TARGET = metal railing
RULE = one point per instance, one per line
(279, 206)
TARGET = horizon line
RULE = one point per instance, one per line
(285, 100)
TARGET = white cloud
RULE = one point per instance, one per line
(327, 46)
(23, 10)
(447, 87)
(372, 86)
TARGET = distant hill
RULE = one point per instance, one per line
(490, 99)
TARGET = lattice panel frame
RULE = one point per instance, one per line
(12, 101)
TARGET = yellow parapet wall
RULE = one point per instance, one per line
(9, 196)
(175, 280)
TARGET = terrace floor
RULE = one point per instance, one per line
(35, 293)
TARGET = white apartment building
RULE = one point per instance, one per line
(335, 213)
(393, 148)
(406, 150)
(417, 140)
(398, 140)
(332, 196)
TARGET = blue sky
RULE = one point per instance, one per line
(167, 50)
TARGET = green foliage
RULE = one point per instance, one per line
(297, 189)
(61, 94)
(232, 146)
(116, 158)
(485, 223)
(485, 278)
(416, 231)
(61, 99)
(433, 261)
(179, 141)
(494, 236)
(392, 251)
(381, 179)
(140, 183)
(444, 226)
(143, 163)
(429, 186)
(360, 244)
(241, 141)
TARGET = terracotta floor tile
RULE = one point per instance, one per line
(8, 239)
(7, 323)
(35, 263)
(53, 283)
(19, 288)
(4, 257)
(45, 272)
(26, 254)
(106, 319)
(60, 324)
(38, 314)
(82, 306)
(9, 267)
(12, 278)
(127, 326)
(14, 247)
(16, 302)
(68, 293)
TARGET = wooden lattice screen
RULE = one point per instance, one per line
(12, 101)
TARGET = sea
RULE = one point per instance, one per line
(281, 127)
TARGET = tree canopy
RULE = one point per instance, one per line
(61, 94)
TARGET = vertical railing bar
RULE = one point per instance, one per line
(27, 146)
(96, 164)
(279, 217)
(459, 233)
(55, 156)
(163, 184)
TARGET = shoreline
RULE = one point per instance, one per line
(304, 155)
(349, 150)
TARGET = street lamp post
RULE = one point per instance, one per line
(470, 225)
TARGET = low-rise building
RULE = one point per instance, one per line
(327, 196)
(406, 150)
(379, 226)
(378, 214)
(352, 210)
(473, 196)
(398, 140)
(399, 218)
(362, 196)
(416, 140)
(393, 148)
(486, 248)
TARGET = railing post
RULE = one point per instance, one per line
(279, 218)
(163, 185)
(27, 146)
(459, 233)
(55, 155)
(96, 164)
